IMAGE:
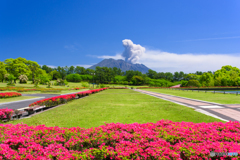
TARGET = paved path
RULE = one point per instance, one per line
(226, 112)
(25, 103)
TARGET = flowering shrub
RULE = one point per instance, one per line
(162, 140)
(54, 101)
(10, 94)
(23, 78)
(5, 113)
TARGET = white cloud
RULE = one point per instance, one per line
(51, 66)
(117, 56)
(188, 63)
(83, 65)
(171, 62)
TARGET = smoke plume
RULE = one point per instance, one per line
(132, 52)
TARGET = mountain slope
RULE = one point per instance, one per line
(124, 66)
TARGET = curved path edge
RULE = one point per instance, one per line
(223, 112)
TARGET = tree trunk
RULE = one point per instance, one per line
(33, 77)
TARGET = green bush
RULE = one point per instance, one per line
(74, 78)
(102, 86)
(193, 83)
(85, 84)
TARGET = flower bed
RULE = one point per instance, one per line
(6, 113)
(10, 94)
(162, 140)
(54, 101)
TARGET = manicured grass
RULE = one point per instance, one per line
(3, 100)
(209, 96)
(115, 105)
(62, 92)
(70, 84)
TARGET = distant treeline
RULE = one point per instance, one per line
(24, 70)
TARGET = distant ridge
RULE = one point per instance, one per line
(123, 65)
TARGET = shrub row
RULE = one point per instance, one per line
(54, 101)
(162, 140)
(10, 94)
(6, 113)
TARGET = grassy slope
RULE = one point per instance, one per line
(125, 106)
(3, 100)
(209, 96)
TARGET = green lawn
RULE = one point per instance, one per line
(61, 92)
(209, 96)
(70, 84)
(3, 100)
(115, 105)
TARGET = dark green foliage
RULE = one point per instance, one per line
(193, 83)
(73, 78)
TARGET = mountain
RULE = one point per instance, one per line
(123, 65)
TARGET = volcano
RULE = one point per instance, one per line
(123, 65)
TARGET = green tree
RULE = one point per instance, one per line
(47, 69)
(80, 70)
(207, 79)
(151, 74)
(3, 71)
(62, 71)
(34, 67)
(193, 83)
(17, 67)
(71, 70)
(137, 80)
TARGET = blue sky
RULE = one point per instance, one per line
(178, 35)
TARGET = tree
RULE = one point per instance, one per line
(55, 75)
(193, 83)
(137, 80)
(181, 75)
(11, 78)
(73, 78)
(206, 79)
(169, 76)
(33, 66)
(3, 71)
(80, 70)
(160, 75)
(89, 71)
(47, 69)
(151, 74)
(71, 70)
(176, 76)
(62, 71)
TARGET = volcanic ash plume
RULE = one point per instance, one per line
(132, 52)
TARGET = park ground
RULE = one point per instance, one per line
(112, 106)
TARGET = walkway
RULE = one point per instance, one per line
(24, 104)
(226, 112)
